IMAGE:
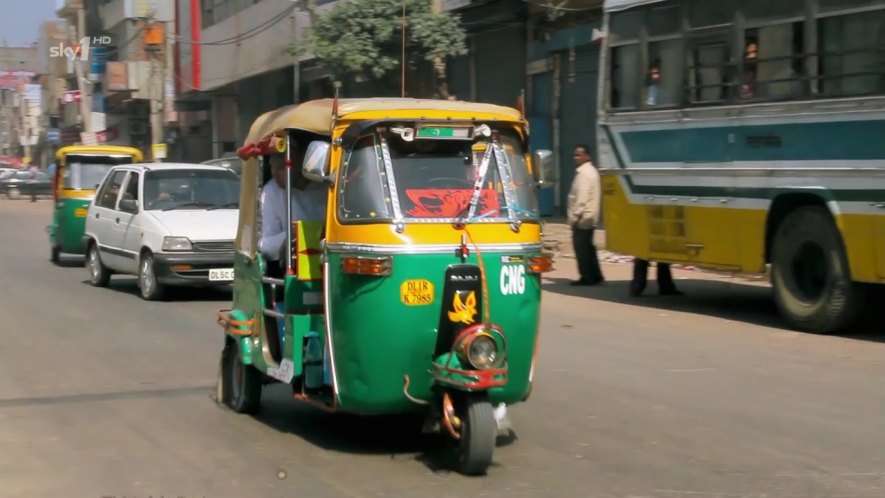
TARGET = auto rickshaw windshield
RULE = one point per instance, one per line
(83, 172)
(434, 180)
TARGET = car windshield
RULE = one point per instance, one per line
(191, 189)
(434, 179)
(87, 172)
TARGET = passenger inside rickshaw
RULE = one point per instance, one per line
(309, 201)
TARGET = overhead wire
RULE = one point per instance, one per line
(249, 33)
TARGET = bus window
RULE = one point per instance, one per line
(664, 20)
(625, 77)
(852, 59)
(768, 10)
(666, 57)
(705, 13)
(708, 72)
(825, 6)
(773, 65)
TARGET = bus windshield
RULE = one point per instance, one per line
(87, 172)
(434, 180)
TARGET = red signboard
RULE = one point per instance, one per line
(71, 97)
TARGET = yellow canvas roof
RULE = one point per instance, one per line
(316, 115)
(98, 149)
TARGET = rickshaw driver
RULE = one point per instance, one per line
(308, 203)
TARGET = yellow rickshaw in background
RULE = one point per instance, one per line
(79, 170)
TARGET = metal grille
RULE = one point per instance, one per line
(214, 246)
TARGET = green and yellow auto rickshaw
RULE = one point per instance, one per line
(421, 288)
(79, 171)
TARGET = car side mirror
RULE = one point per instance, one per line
(129, 205)
(316, 162)
(544, 168)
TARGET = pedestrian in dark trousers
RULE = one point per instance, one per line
(583, 216)
(666, 287)
(32, 180)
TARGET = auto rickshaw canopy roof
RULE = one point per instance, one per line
(316, 116)
(109, 150)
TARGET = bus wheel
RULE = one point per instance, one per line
(810, 275)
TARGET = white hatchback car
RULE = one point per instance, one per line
(167, 223)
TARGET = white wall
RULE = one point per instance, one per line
(265, 51)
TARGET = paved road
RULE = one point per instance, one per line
(102, 394)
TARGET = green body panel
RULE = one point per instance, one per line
(66, 230)
(377, 339)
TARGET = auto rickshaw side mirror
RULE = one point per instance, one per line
(544, 168)
(316, 162)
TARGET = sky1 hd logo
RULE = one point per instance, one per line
(79, 49)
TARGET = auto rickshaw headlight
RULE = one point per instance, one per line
(177, 244)
(480, 350)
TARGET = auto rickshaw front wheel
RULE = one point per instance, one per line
(240, 384)
(477, 433)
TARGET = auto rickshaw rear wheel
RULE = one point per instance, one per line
(240, 383)
(478, 434)
(55, 254)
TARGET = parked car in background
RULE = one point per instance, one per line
(170, 224)
(14, 184)
(231, 162)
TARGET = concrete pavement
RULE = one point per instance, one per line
(103, 394)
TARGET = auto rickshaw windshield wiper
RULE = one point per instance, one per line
(189, 204)
(222, 206)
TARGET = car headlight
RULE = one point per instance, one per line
(480, 350)
(176, 244)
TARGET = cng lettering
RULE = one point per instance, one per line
(512, 280)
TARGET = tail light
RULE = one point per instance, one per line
(361, 265)
(539, 264)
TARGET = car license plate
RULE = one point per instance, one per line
(221, 274)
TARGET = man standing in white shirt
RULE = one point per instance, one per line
(308, 203)
(583, 216)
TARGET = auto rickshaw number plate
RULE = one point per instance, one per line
(81, 212)
(416, 292)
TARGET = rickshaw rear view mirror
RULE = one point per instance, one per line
(544, 168)
(316, 161)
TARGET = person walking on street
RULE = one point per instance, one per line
(32, 180)
(583, 216)
(666, 287)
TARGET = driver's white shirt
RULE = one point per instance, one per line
(308, 205)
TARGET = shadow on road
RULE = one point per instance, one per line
(129, 285)
(398, 436)
(65, 261)
(751, 304)
(76, 399)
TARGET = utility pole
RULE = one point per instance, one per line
(25, 135)
(82, 86)
(155, 43)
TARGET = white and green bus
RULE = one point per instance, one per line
(739, 134)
